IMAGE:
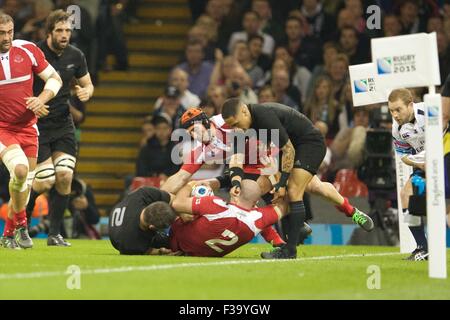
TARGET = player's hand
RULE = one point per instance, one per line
(278, 194)
(82, 93)
(218, 55)
(42, 112)
(168, 252)
(34, 104)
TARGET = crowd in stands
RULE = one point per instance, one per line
(295, 52)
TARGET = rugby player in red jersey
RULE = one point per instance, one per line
(218, 227)
(19, 110)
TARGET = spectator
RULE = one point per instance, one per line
(281, 64)
(147, 130)
(266, 94)
(222, 68)
(211, 27)
(321, 24)
(299, 75)
(255, 45)
(198, 33)
(242, 54)
(409, 17)
(208, 108)
(171, 106)
(154, 159)
(345, 18)
(339, 73)
(346, 107)
(350, 45)
(199, 71)
(268, 24)
(435, 24)
(19, 12)
(216, 97)
(348, 146)
(330, 51)
(305, 50)
(110, 31)
(280, 84)
(34, 28)
(356, 8)
(251, 24)
(179, 79)
(323, 107)
(391, 26)
(238, 85)
(84, 211)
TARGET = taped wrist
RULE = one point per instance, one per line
(224, 181)
(236, 172)
(235, 183)
(283, 180)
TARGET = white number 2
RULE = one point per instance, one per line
(117, 217)
(226, 234)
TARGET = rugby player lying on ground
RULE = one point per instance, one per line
(218, 227)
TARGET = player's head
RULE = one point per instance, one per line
(6, 32)
(401, 105)
(250, 194)
(236, 114)
(157, 216)
(58, 27)
(196, 122)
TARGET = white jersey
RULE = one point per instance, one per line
(409, 138)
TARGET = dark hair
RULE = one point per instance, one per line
(256, 14)
(230, 107)
(55, 17)
(5, 18)
(159, 214)
(255, 36)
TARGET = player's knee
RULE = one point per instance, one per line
(44, 177)
(65, 164)
(21, 172)
(316, 187)
(64, 179)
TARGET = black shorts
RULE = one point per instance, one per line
(58, 137)
(309, 155)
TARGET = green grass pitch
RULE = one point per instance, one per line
(321, 272)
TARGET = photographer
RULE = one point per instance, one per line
(239, 86)
(84, 211)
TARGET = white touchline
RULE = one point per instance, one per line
(31, 275)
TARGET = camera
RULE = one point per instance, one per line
(378, 168)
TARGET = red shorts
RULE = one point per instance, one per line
(26, 138)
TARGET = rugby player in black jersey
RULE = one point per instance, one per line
(303, 149)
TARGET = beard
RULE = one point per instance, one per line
(5, 46)
(58, 46)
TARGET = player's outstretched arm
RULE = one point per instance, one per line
(183, 200)
(176, 181)
(84, 89)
